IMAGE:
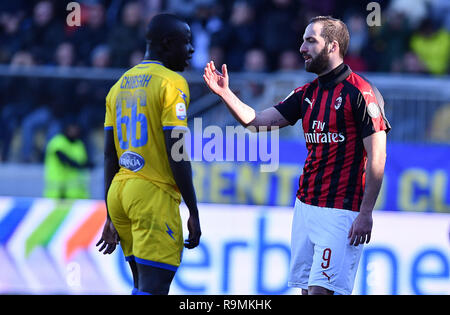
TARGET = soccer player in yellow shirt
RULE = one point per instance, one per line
(144, 183)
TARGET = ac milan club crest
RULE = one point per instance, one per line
(338, 102)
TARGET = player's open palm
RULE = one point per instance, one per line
(216, 81)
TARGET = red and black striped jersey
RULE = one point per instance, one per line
(337, 111)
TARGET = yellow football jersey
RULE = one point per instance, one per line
(146, 100)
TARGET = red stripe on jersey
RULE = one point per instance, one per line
(315, 161)
(332, 121)
(344, 175)
(305, 125)
(369, 96)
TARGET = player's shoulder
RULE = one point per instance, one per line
(360, 83)
(167, 75)
(363, 89)
(303, 88)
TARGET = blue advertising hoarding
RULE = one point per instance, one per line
(416, 178)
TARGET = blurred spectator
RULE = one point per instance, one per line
(216, 54)
(127, 36)
(278, 29)
(18, 98)
(100, 57)
(135, 58)
(255, 62)
(392, 42)
(22, 59)
(10, 36)
(65, 163)
(357, 29)
(59, 102)
(325, 7)
(414, 10)
(408, 63)
(90, 95)
(238, 36)
(187, 8)
(205, 23)
(290, 60)
(91, 33)
(150, 8)
(65, 55)
(44, 34)
(432, 46)
(183, 8)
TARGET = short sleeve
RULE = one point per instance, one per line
(109, 119)
(175, 101)
(290, 107)
(369, 112)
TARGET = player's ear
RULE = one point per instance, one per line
(334, 45)
(165, 44)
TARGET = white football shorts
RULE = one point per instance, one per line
(320, 250)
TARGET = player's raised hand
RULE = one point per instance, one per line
(216, 81)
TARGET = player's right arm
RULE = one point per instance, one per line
(244, 114)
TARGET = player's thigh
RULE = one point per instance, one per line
(156, 224)
(334, 261)
(119, 217)
(302, 249)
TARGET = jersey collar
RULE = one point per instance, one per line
(335, 76)
(144, 62)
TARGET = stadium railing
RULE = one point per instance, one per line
(416, 106)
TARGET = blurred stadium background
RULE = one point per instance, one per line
(50, 71)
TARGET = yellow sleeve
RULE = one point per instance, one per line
(109, 119)
(175, 102)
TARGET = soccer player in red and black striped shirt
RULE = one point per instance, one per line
(345, 130)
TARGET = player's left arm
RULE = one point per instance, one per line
(109, 238)
(375, 146)
(111, 166)
(374, 126)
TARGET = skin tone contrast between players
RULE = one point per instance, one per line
(343, 121)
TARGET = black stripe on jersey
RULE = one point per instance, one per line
(325, 148)
(357, 157)
(307, 94)
(356, 164)
(314, 114)
(340, 154)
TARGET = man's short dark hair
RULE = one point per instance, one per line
(334, 29)
(162, 25)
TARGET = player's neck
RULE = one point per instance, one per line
(152, 55)
(332, 65)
